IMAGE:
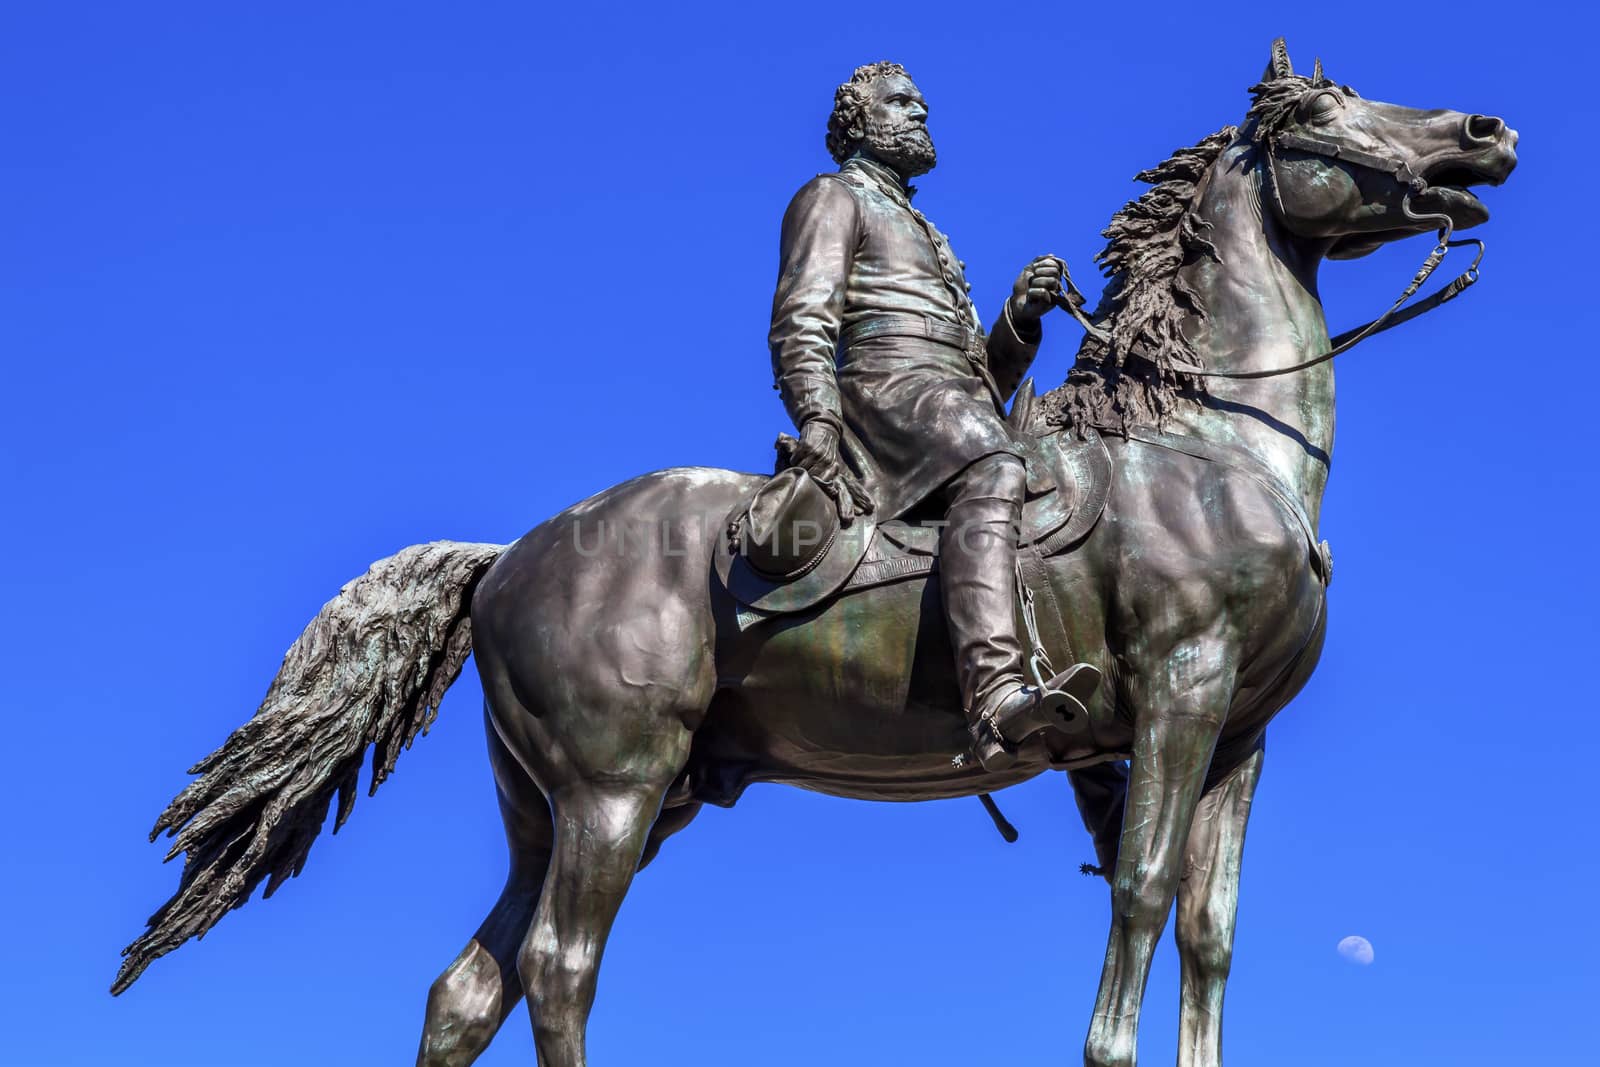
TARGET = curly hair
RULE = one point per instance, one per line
(847, 124)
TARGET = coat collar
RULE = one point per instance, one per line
(884, 177)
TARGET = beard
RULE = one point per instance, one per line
(908, 147)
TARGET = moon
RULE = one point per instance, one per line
(1356, 949)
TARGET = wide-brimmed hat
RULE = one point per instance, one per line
(785, 548)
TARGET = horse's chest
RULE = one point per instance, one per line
(1282, 664)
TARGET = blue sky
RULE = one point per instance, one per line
(287, 288)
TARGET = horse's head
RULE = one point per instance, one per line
(1357, 173)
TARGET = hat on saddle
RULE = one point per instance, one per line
(788, 526)
(786, 547)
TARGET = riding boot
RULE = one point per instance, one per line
(977, 575)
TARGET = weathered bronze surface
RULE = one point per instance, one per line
(900, 397)
(626, 687)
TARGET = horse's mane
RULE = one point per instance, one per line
(1140, 376)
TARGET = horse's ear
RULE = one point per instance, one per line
(1279, 66)
(1316, 73)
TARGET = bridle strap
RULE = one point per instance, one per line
(1391, 318)
(1331, 149)
(1070, 299)
(1394, 316)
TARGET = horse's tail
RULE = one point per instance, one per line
(370, 669)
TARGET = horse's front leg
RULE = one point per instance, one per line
(1180, 705)
(1208, 904)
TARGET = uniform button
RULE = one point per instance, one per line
(961, 263)
(968, 286)
(944, 259)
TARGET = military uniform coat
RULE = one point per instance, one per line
(912, 412)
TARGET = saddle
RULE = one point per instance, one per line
(784, 549)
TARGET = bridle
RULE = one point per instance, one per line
(1400, 170)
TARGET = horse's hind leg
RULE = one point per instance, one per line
(598, 666)
(1208, 904)
(469, 1002)
(601, 831)
(471, 999)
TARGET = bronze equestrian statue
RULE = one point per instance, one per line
(875, 342)
(648, 650)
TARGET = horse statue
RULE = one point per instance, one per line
(625, 689)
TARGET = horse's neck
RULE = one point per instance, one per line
(1262, 312)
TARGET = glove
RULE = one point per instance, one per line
(817, 453)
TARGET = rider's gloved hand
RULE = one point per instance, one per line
(817, 452)
(1037, 289)
(820, 440)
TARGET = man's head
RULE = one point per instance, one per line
(881, 111)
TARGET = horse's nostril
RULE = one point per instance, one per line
(1484, 127)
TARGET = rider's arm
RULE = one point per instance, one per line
(1011, 347)
(820, 232)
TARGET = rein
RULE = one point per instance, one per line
(1401, 171)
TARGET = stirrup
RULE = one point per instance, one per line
(1061, 702)
(1064, 697)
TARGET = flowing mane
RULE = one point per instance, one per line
(1140, 376)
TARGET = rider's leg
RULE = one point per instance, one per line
(977, 576)
(977, 567)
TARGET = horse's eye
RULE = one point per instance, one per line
(1320, 108)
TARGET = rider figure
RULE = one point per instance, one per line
(879, 354)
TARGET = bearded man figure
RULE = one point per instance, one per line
(899, 393)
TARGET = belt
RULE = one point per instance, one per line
(940, 331)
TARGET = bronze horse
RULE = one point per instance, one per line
(621, 694)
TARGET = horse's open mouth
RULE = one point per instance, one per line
(1455, 201)
(1449, 182)
(1461, 174)
(1447, 194)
